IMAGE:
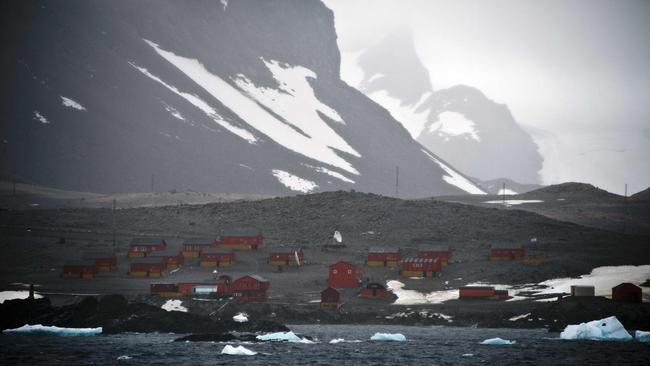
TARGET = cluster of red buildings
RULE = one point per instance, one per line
(90, 265)
(249, 288)
(507, 252)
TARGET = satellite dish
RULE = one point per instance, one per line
(297, 258)
(337, 236)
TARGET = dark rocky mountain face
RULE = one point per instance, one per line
(241, 96)
(461, 124)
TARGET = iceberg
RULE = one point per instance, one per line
(52, 330)
(608, 329)
(240, 318)
(237, 351)
(341, 340)
(642, 336)
(497, 341)
(283, 336)
(388, 337)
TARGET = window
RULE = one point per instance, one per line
(349, 271)
(334, 271)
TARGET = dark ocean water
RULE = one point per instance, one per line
(424, 346)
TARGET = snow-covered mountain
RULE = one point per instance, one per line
(462, 125)
(232, 96)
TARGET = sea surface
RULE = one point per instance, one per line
(424, 346)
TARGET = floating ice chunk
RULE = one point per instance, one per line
(174, 305)
(124, 358)
(52, 330)
(341, 340)
(642, 336)
(497, 341)
(240, 318)
(608, 329)
(388, 337)
(237, 351)
(283, 336)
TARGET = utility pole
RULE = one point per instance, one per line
(503, 193)
(114, 228)
(152, 183)
(397, 181)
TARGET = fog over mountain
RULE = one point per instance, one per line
(573, 74)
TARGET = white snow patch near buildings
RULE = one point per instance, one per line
(294, 101)
(294, 182)
(13, 295)
(454, 178)
(388, 337)
(68, 102)
(174, 305)
(237, 351)
(203, 106)
(608, 329)
(454, 124)
(52, 330)
(413, 297)
(41, 118)
(512, 202)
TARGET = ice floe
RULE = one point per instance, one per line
(608, 329)
(53, 330)
(342, 340)
(41, 118)
(642, 336)
(174, 305)
(237, 351)
(282, 336)
(388, 337)
(497, 341)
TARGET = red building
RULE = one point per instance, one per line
(384, 257)
(627, 292)
(217, 257)
(164, 289)
(507, 252)
(242, 239)
(172, 258)
(141, 247)
(250, 288)
(481, 292)
(420, 267)
(220, 286)
(147, 267)
(344, 275)
(79, 269)
(104, 261)
(374, 291)
(192, 247)
(287, 257)
(439, 252)
(330, 298)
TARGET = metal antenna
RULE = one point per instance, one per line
(503, 193)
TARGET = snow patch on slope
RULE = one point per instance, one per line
(41, 118)
(410, 116)
(454, 178)
(174, 112)
(200, 104)
(453, 124)
(318, 142)
(413, 297)
(294, 182)
(67, 102)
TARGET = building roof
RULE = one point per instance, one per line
(147, 260)
(375, 285)
(217, 251)
(419, 260)
(383, 250)
(627, 284)
(165, 253)
(343, 263)
(289, 250)
(240, 232)
(507, 246)
(80, 262)
(476, 288)
(199, 241)
(146, 241)
(330, 290)
(98, 254)
(433, 248)
(256, 277)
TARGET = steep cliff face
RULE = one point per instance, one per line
(232, 96)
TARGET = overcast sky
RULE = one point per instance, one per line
(576, 73)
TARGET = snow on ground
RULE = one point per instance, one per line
(294, 99)
(608, 329)
(454, 124)
(237, 351)
(52, 330)
(240, 318)
(202, 105)
(67, 102)
(41, 118)
(12, 295)
(506, 192)
(224, 3)
(329, 172)
(293, 182)
(512, 202)
(497, 341)
(174, 305)
(174, 112)
(518, 317)
(409, 115)
(388, 337)
(413, 297)
(454, 178)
